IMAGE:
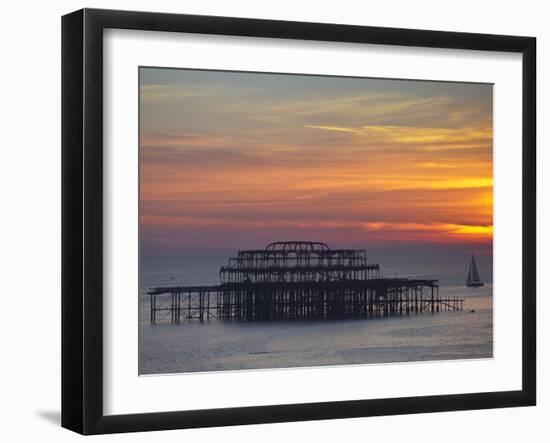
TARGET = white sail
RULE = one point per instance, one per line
(473, 274)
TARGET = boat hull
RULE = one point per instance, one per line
(474, 285)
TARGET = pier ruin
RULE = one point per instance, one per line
(303, 281)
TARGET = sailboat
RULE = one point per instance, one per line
(473, 280)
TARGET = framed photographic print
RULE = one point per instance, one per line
(269, 221)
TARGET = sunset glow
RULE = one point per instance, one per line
(236, 160)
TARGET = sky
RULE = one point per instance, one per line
(234, 160)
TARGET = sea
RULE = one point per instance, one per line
(229, 345)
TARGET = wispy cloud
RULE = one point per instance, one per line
(163, 93)
(332, 128)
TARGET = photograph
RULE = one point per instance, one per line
(272, 222)
(296, 220)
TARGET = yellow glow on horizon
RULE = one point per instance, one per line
(476, 230)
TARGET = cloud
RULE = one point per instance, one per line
(158, 93)
(332, 128)
(404, 109)
(375, 230)
(426, 138)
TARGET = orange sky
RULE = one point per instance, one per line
(238, 160)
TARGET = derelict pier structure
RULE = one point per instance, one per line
(299, 280)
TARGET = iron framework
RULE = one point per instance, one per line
(299, 280)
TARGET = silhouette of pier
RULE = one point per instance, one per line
(303, 281)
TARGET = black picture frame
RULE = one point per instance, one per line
(82, 219)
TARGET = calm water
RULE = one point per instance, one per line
(230, 345)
